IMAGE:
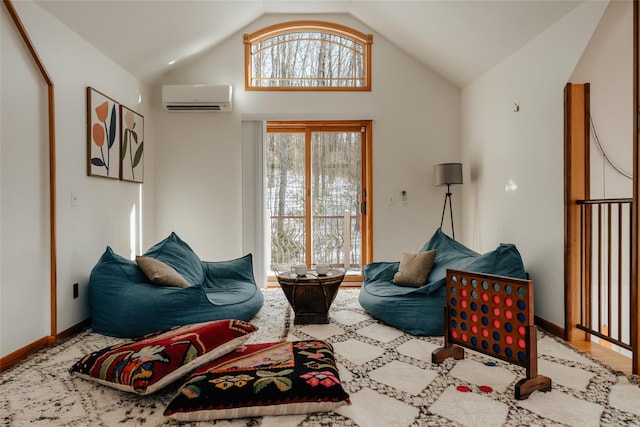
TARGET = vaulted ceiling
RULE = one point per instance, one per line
(458, 39)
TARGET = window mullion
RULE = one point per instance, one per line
(308, 198)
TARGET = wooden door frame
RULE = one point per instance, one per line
(635, 226)
(18, 355)
(366, 126)
(576, 187)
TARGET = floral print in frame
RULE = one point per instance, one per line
(131, 145)
(102, 128)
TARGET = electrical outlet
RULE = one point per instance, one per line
(75, 290)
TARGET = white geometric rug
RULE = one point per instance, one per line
(388, 374)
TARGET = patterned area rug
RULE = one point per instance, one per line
(387, 373)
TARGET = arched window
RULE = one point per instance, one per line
(308, 55)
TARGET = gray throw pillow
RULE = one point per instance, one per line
(414, 269)
(160, 273)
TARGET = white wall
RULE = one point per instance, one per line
(24, 197)
(607, 64)
(525, 148)
(199, 159)
(102, 214)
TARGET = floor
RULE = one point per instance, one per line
(614, 359)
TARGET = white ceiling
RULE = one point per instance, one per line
(458, 39)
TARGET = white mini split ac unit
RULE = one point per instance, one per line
(196, 98)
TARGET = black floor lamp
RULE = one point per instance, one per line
(447, 174)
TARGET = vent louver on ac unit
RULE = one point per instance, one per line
(213, 98)
(207, 107)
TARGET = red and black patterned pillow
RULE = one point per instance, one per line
(146, 365)
(275, 378)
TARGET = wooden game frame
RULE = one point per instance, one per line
(492, 315)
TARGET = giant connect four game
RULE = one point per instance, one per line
(493, 315)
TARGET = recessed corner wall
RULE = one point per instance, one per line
(515, 158)
(102, 214)
(24, 195)
(607, 65)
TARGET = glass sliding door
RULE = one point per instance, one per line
(286, 197)
(336, 188)
(316, 194)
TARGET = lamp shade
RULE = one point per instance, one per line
(447, 173)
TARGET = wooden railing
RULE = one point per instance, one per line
(605, 297)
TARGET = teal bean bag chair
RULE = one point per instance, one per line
(125, 303)
(420, 311)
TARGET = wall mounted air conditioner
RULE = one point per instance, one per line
(197, 98)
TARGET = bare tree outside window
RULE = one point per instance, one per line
(308, 55)
(336, 189)
(285, 196)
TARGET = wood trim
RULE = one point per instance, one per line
(308, 25)
(22, 353)
(576, 187)
(635, 225)
(367, 194)
(75, 329)
(549, 327)
(17, 356)
(27, 41)
(308, 239)
(52, 164)
(316, 125)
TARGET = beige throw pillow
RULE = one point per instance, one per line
(160, 273)
(414, 269)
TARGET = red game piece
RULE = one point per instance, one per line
(485, 388)
(463, 388)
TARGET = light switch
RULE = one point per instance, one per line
(74, 198)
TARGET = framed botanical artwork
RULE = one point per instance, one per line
(103, 126)
(131, 145)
